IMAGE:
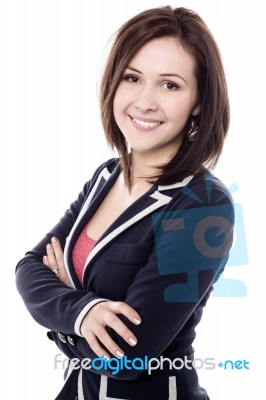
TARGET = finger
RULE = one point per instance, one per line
(108, 342)
(120, 307)
(52, 263)
(59, 256)
(117, 325)
(45, 261)
(95, 346)
(58, 253)
(109, 318)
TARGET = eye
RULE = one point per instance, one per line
(131, 78)
(171, 86)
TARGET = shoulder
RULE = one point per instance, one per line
(108, 166)
(97, 180)
(201, 190)
(202, 208)
(104, 170)
(210, 188)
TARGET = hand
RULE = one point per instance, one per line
(104, 314)
(55, 260)
(101, 315)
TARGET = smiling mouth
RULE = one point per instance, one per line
(146, 124)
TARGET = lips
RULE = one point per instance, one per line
(145, 123)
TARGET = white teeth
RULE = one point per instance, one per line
(146, 124)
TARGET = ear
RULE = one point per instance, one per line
(196, 110)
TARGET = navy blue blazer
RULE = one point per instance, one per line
(145, 258)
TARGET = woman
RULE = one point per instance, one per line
(132, 262)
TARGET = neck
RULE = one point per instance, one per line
(145, 165)
(141, 169)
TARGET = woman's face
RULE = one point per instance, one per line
(156, 96)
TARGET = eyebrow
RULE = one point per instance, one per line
(165, 74)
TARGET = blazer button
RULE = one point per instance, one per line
(61, 337)
(49, 335)
(71, 340)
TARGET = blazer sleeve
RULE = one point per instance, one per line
(50, 302)
(176, 280)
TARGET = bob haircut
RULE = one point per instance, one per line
(204, 134)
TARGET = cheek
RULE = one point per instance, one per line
(117, 114)
(120, 107)
(121, 99)
(179, 111)
(117, 110)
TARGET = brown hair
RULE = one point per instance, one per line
(203, 134)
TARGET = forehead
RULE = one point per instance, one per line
(164, 55)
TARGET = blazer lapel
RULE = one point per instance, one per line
(98, 192)
(145, 205)
(149, 204)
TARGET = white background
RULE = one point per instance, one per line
(52, 141)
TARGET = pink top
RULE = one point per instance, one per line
(81, 251)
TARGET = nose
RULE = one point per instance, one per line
(146, 100)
